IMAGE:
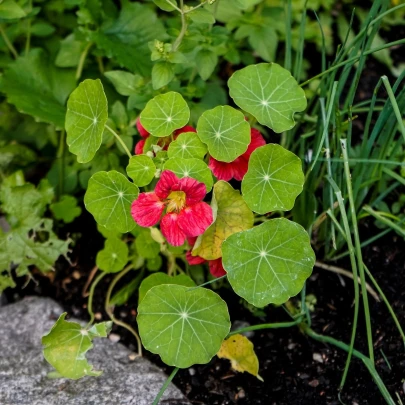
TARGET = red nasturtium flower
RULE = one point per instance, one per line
(215, 266)
(186, 214)
(163, 142)
(238, 168)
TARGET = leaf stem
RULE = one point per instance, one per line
(165, 385)
(110, 312)
(61, 163)
(82, 60)
(6, 40)
(90, 300)
(183, 30)
(120, 141)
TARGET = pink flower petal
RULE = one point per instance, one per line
(194, 220)
(193, 260)
(240, 167)
(170, 229)
(221, 170)
(216, 268)
(256, 141)
(187, 128)
(195, 191)
(142, 131)
(139, 147)
(147, 209)
(166, 183)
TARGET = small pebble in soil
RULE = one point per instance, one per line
(191, 371)
(314, 383)
(317, 357)
(114, 337)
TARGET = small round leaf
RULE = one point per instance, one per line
(186, 146)
(195, 168)
(184, 326)
(113, 257)
(108, 198)
(269, 93)
(165, 113)
(274, 179)
(85, 119)
(141, 170)
(269, 263)
(225, 131)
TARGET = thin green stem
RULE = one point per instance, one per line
(394, 104)
(109, 310)
(208, 282)
(183, 30)
(384, 220)
(353, 59)
(173, 5)
(61, 163)
(165, 385)
(195, 8)
(82, 59)
(91, 295)
(8, 43)
(119, 140)
(267, 326)
(358, 249)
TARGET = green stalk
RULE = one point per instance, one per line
(384, 220)
(358, 249)
(82, 59)
(183, 30)
(287, 59)
(391, 95)
(8, 43)
(119, 140)
(165, 385)
(91, 295)
(61, 163)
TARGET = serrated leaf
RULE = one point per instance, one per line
(225, 132)
(162, 278)
(109, 197)
(164, 5)
(126, 38)
(87, 113)
(186, 146)
(165, 113)
(184, 327)
(113, 257)
(69, 52)
(202, 16)
(125, 83)
(240, 351)
(66, 209)
(263, 39)
(162, 74)
(37, 88)
(195, 168)
(66, 346)
(231, 215)
(274, 179)
(206, 61)
(269, 263)
(141, 170)
(269, 93)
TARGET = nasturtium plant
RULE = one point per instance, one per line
(85, 119)
(108, 198)
(113, 257)
(225, 131)
(66, 346)
(186, 146)
(269, 263)
(165, 113)
(269, 93)
(141, 169)
(274, 179)
(184, 326)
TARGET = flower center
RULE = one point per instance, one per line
(176, 201)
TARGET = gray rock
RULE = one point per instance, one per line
(23, 370)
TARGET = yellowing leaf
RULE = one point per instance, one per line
(231, 215)
(239, 350)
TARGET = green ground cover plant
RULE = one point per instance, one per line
(209, 152)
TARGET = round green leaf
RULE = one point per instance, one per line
(85, 119)
(186, 146)
(162, 278)
(141, 170)
(195, 168)
(183, 326)
(108, 198)
(165, 113)
(145, 245)
(113, 257)
(66, 346)
(225, 131)
(269, 93)
(269, 263)
(274, 179)
(231, 215)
